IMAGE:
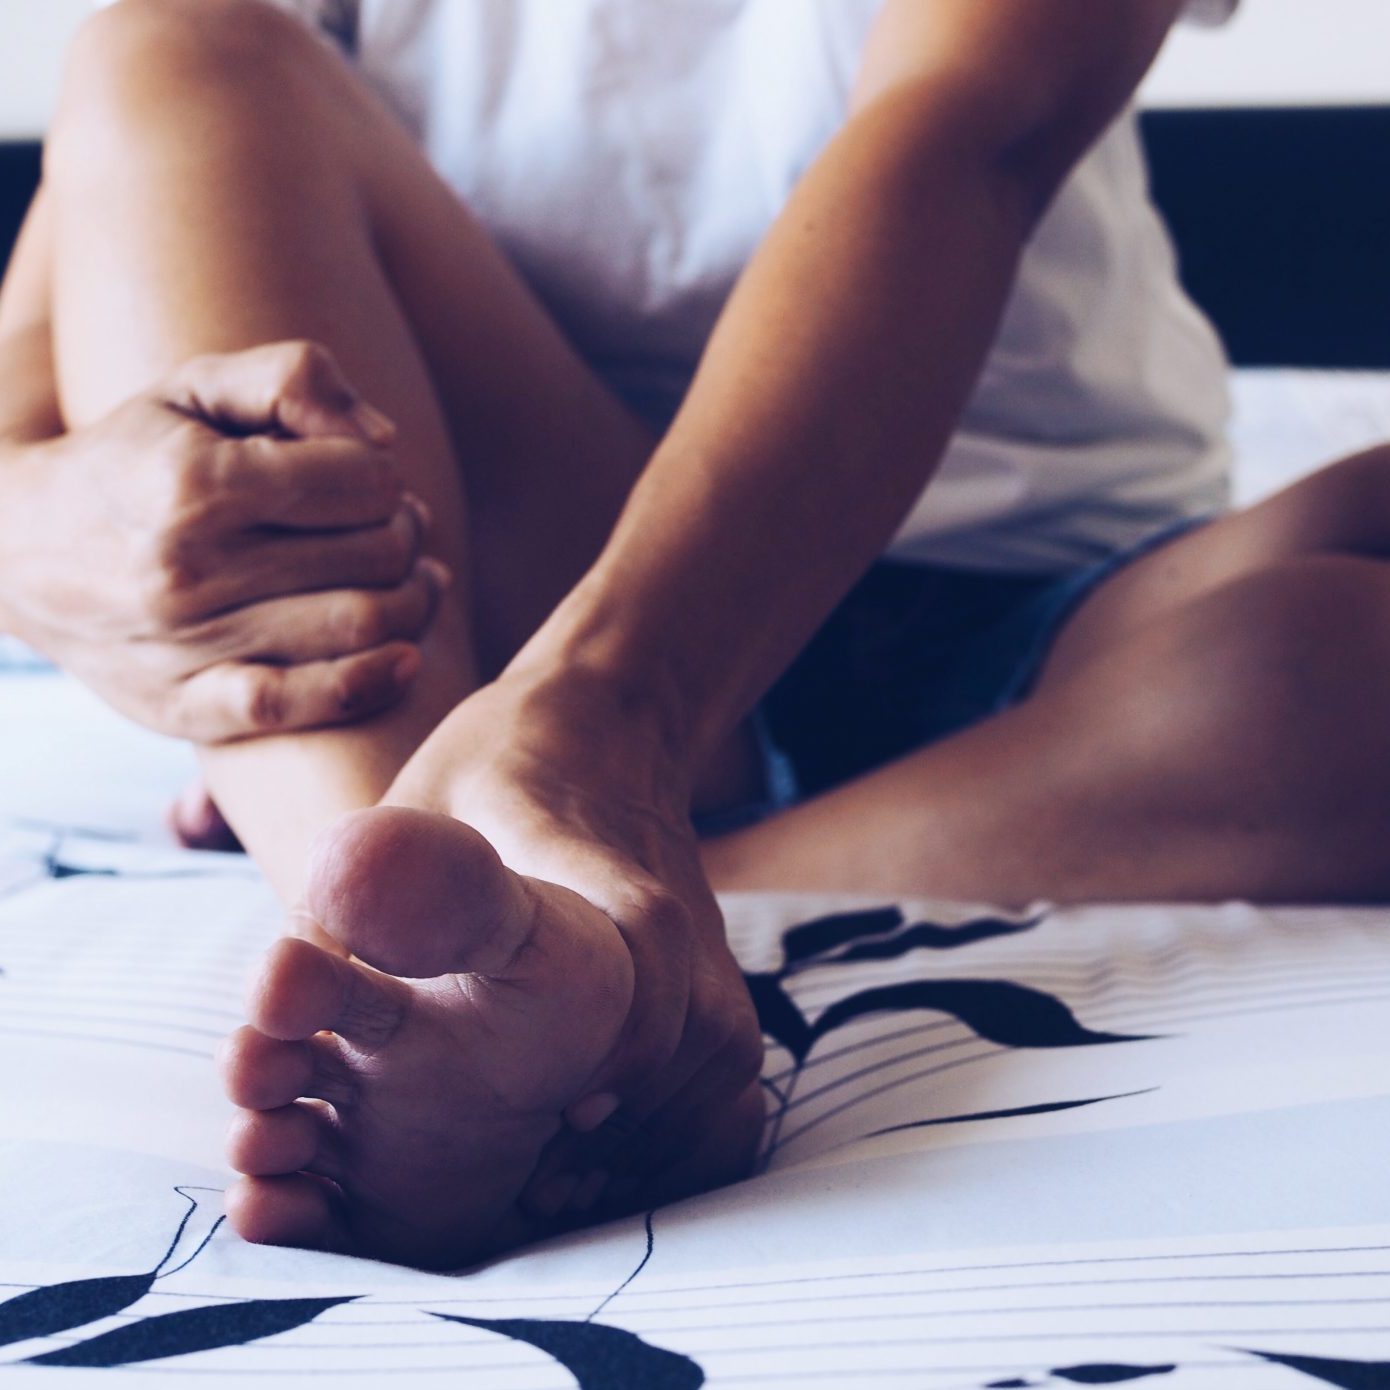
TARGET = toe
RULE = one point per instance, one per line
(297, 1210)
(295, 1138)
(301, 990)
(261, 1073)
(389, 883)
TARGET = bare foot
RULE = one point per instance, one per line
(396, 1108)
(196, 823)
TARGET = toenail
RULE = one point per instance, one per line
(591, 1111)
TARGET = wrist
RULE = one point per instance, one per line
(581, 672)
(17, 470)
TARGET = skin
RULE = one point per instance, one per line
(617, 603)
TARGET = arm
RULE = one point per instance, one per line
(93, 524)
(825, 398)
(840, 366)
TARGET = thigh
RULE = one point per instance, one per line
(1343, 509)
(1234, 748)
(222, 178)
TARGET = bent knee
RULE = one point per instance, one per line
(1288, 663)
(137, 60)
(1343, 508)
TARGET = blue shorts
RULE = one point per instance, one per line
(913, 654)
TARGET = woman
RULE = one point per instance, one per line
(633, 524)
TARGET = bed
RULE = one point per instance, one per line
(1005, 1147)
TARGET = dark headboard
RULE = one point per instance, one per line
(19, 176)
(1282, 220)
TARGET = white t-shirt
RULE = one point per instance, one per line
(629, 156)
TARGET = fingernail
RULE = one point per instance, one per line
(590, 1189)
(379, 428)
(436, 571)
(589, 1112)
(406, 667)
(421, 508)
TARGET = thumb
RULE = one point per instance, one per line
(292, 388)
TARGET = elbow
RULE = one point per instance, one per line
(1019, 152)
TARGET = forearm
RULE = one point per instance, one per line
(822, 405)
(277, 790)
(29, 419)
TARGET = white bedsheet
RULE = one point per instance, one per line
(1287, 422)
(1037, 1148)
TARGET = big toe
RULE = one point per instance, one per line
(417, 894)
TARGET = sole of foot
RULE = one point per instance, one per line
(394, 1100)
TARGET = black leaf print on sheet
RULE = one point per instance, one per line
(998, 1010)
(190, 1330)
(57, 869)
(815, 938)
(59, 1307)
(597, 1356)
(1350, 1375)
(934, 938)
(1109, 1374)
(778, 1016)
(1043, 1108)
(811, 942)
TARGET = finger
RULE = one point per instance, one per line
(324, 625)
(234, 700)
(294, 387)
(263, 566)
(309, 484)
(678, 1123)
(724, 1151)
(623, 1155)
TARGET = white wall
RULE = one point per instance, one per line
(1275, 52)
(33, 34)
(1280, 52)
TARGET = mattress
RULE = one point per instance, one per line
(1007, 1145)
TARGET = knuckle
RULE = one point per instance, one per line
(219, 471)
(262, 700)
(712, 1024)
(186, 714)
(179, 564)
(397, 547)
(381, 479)
(184, 477)
(746, 1055)
(163, 596)
(662, 911)
(357, 622)
(309, 369)
(351, 692)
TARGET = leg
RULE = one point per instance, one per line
(1209, 725)
(213, 238)
(219, 141)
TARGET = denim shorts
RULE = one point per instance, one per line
(913, 654)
